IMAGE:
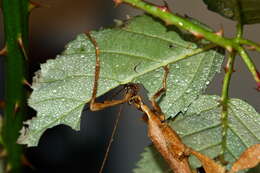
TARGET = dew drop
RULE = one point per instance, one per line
(188, 90)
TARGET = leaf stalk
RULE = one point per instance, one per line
(224, 101)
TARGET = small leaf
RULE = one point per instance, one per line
(136, 53)
(249, 10)
(249, 159)
(201, 129)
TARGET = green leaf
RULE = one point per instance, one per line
(135, 52)
(247, 10)
(201, 129)
(151, 161)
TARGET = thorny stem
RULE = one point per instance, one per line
(229, 69)
(229, 44)
(240, 25)
(15, 15)
(224, 100)
(240, 29)
(250, 65)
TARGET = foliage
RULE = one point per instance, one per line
(202, 129)
(61, 88)
(245, 11)
(220, 128)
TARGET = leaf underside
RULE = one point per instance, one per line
(201, 129)
(134, 52)
(247, 10)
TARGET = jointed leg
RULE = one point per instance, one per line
(99, 106)
(161, 91)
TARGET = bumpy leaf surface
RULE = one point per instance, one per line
(134, 52)
(249, 10)
(201, 129)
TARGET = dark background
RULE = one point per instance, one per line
(64, 150)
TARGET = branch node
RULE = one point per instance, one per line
(229, 49)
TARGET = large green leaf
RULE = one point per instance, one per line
(201, 128)
(248, 10)
(135, 52)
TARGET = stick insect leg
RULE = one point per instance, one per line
(161, 91)
(94, 106)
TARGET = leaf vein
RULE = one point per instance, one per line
(56, 98)
(239, 119)
(201, 130)
(157, 37)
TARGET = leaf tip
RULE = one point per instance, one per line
(25, 138)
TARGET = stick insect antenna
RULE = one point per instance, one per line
(111, 139)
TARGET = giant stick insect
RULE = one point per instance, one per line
(165, 139)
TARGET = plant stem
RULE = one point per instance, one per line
(229, 69)
(15, 14)
(240, 25)
(248, 43)
(172, 19)
(231, 44)
(224, 100)
(250, 64)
